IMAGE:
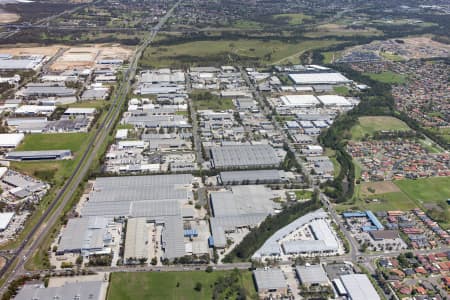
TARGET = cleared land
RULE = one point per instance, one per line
(57, 141)
(85, 57)
(369, 125)
(17, 50)
(294, 19)
(426, 190)
(221, 51)
(387, 77)
(6, 17)
(172, 285)
(381, 187)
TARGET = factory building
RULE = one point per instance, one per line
(317, 78)
(92, 290)
(270, 282)
(39, 155)
(244, 157)
(252, 177)
(283, 243)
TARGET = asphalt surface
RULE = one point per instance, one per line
(34, 240)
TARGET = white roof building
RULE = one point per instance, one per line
(85, 111)
(319, 78)
(299, 101)
(121, 134)
(5, 219)
(359, 287)
(11, 140)
(334, 100)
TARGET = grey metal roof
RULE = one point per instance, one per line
(38, 154)
(272, 246)
(241, 156)
(18, 64)
(83, 234)
(84, 290)
(136, 239)
(305, 246)
(269, 279)
(48, 90)
(359, 287)
(173, 237)
(242, 200)
(312, 274)
(261, 175)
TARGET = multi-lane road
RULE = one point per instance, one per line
(34, 240)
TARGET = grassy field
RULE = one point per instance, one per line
(303, 194)
(204, 101)
(342, 90)
(218, 52)
(369, 125)
(171, 285)
(294, 19)
(426, 190)
(387, 77)
(383, 202)
(56, 141)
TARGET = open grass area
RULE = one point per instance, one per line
(206, 100)
(383, 202)
(369, 125)
(172, 285)
(56, 141)
(341, 90)
(303, 194)
(426, 190)
(391, 56)
(294, 19)
(246, 24)
(225, 51)
(387, 77)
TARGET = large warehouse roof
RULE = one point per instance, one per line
(252, 176)
(269, 279)
(18, 64)
(334, 100)
(272, 245)
(80, 290)
(136, 239)
(319, 78)
(244, 156)
(38, 155)
(83, 234)
(10, 140)
(5, 219)
(242, 200)
(299, 100)
(322, 232)
(312, 274)
(359, 287)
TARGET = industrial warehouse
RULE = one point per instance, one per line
(244, 157)
(309, 235)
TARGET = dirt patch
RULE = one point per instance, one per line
(16, 50)
(2, 262)
(85, 57)
(7, 17)
(382, 187)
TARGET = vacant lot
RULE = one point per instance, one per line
(380, 202)
(171, 285)
(369, 125)
(6, 17)
(206, 100)
(226, 51)
(426, 190)
(381, 187)
(294, 19)
(387, 77)
(57, 141)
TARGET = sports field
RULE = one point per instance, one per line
(369, 125)
(173, 285)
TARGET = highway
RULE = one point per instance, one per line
(36, 237)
